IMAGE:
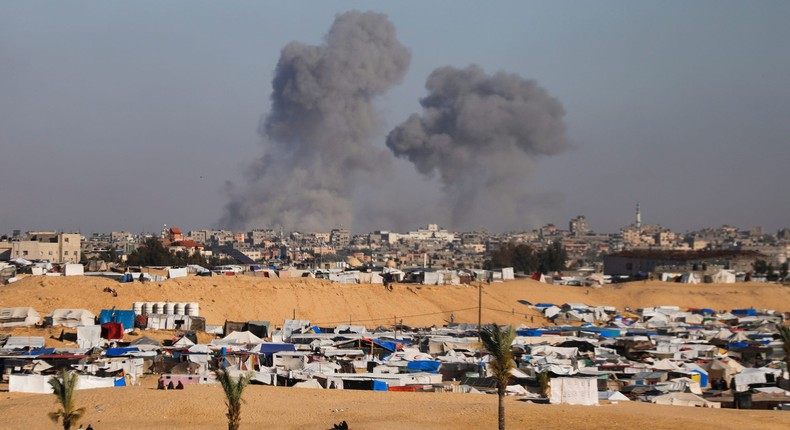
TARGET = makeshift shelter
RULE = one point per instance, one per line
(689, 278)
(684, 399)
(177, 273)
(724, 277)
(74, 270)
(18, 317)
(70, 318)
(112, 330)
(574, 391)
(88, 336)
(124, 317)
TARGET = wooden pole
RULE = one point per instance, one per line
(479, 308)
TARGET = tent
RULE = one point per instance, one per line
(238, 338)
(70, 318)
(689, 278)
(18, 317)
(684, 399)
(724, 277)
(176, 273)
(574, 391)
(74, 270)
(112, 330)
(612, 396)
(125, 317)
(88, 336)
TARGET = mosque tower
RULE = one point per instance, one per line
(638, 217)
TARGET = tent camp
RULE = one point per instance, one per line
(70, 318)
(689, 278)
(18, 317)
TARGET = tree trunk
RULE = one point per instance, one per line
(501, 410)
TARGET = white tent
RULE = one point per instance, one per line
(71, 317)
(88, 336)
(689, 278)
(18, 317)
(184, 342)
(724, 277)
(176, 273)
(238, 338)
(74, 270)
(684, 399)
(574, 391)
(612, 396)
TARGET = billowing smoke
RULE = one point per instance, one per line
(321, 125)
(482, 134)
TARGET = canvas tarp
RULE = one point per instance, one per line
(71, 317)
(74, 270)
(684, 399)
(18, 317)
(574, 391)
(40, 383)
(176, 273)
(89, 336)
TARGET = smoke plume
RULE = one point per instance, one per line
(319, 132)
(482, 135)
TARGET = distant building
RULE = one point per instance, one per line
(339, 237)
(52, 246)
(637, 262)
(578, 226)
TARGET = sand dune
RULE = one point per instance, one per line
(250, 298)
(201, 407)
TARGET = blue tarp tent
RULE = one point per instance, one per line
(424, 366)
(379, 385)
(746, 312)
(120, 352)
(126, 318)
(271, 348)
(530, 332)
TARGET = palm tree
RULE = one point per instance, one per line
(64, 391)
(233, 389)
(498, 343)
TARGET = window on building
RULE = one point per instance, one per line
(50, 252)
(23, 253)
(65, 239)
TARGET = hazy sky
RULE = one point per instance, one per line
(131, 115)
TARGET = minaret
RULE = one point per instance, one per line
(638, 217)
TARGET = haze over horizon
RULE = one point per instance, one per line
(128, 116)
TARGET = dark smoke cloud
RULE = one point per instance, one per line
(320, 128)
(482, 135)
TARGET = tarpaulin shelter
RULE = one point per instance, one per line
(70, 318)
(112, 330)
(18, 317)
(125, 317)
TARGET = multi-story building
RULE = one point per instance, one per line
(578, 226)
(49, 245)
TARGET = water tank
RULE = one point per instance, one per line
(137, 307)
(180, 308)
(148, 308)
(170, 308)
(192, 309)
(159, 308)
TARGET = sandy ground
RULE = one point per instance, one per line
(246, 298)
(202, 407)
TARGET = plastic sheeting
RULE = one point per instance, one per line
(574, 391)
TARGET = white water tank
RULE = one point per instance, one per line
(159, 308)
(180, 308)
(148, 308)
(137, 307)
(192, 309)
(170, 308)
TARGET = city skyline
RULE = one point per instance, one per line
(130, 116)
